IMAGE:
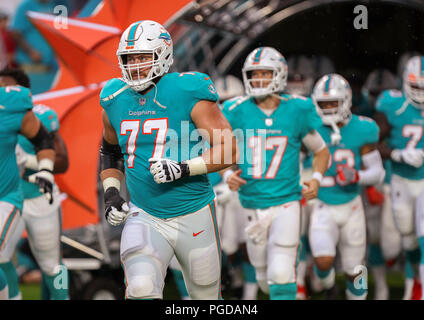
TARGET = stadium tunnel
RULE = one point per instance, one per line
(215, 36)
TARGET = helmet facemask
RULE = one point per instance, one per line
(415, 92)
(138, 81)
(266, 87)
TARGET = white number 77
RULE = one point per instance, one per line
(133, 126)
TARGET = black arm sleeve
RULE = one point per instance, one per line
(111, 156)
(42, 140)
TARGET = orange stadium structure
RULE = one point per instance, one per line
(86, 53)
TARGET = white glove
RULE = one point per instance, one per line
(223, 193)
(258, 230)
(44, 178)
(166, 170)
(410, 156)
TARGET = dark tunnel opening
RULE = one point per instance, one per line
(328, 30)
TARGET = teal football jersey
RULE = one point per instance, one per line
(155, 125)
(359, 131)
(407, 123)
(49, 119)
(270, 148)
(14, 103)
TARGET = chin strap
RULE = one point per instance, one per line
(154, 98)
(335, 135)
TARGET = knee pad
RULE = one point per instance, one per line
(282, 264)
(143, 278)
(410, 242)
(204, 265)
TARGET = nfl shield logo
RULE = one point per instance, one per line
(268, 122)
(142, 101)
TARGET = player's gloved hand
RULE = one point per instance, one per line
(166, 170)
(44, 178)
(116, 209)
(374, 196)
(411, 156)
(346, 175)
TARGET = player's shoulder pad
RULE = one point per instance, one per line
(367, 125)
(15, 98)
(111, 90)
(389, 99)
(226, 105)
(192, 80)
(303, 103)
(47, 115)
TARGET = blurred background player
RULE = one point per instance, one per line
(401, 119)
(40, 218)
(33, 53)
(303, 72)
(384, 243)
(231, 219)
(337, 219)
(166, 216)
(17, 118)
(273, 126)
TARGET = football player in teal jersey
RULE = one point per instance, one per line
(270, 130)
(337, 218)
(40, 218)
(384, 242)
(401, 119)
(17, 118)
(153, 121)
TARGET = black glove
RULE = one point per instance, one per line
(116, 209)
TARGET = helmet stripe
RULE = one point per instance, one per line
(258, 56)
(131, 35)
(422, 66)
(327, 84)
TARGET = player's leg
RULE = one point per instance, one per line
(250, 286)
(303, 255)
(145, 256)
(198, 250)
(7, 265)
(282, 251)
(390, 240)
(323, 238)
(175, 268)
(257, 249)
(43, 225)
(353, 250)
(403, 212)
(375, 259)
(419, 207)
(9, 221)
